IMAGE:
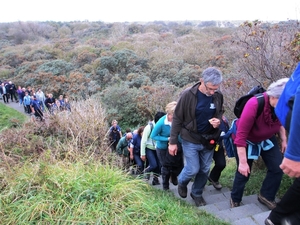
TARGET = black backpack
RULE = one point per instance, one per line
(241, 102)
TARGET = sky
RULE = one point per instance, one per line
(148, 10)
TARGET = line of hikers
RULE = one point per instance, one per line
(180, 145)
(34, 102)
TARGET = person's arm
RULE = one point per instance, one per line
(282, 134)
(244, 168)
(155, 134)
(291, 162)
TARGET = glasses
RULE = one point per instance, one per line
(210, 89)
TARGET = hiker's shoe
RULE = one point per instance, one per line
(216, 184)
(270, 204)
(155, 181)
(147, 176)
(174, 179)
(268, 222)
(182, 191)
(234, 204)
(198, 200)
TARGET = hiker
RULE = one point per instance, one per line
(287, 211)
(115, 135)
(135, 150)
(171, 165)
(198, 112)
(40, 96)
(4, 93)
(219, 158)
(67, 105)
(26, 102)
(11, 88)
(123, 150)
(21, 94)
(36, 108)
(49, 102)
(148, 151)
(255, 137)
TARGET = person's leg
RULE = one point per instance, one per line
(220, 164)
(192, 162)
(151, 157)
(202, 175)
(5, 98)
(288, 206)
(271, 183)
(239, 181)
(139, 162)
(165, 171)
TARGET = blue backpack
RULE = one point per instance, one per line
(227, 140)
(285, 103)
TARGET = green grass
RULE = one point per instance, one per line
(79, 193)
(10, 117)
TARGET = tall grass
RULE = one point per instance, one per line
(80, 193)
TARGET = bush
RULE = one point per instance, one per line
(56, 67)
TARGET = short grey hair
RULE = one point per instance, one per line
(212, 75)
(276, 88)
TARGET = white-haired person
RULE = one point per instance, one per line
(256, 136)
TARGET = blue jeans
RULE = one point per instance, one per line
(272, 159)
(197, 164)
(154, 165)
(139, 162)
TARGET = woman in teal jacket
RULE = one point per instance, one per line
(171, 166)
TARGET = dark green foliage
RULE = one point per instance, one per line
(122, 105)
(109, 63)
(56, 67)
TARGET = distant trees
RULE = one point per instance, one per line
(152, 61)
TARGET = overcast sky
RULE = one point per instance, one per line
(148, 10)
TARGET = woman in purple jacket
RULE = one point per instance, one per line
(256, 137)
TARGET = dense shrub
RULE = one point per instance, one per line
(56, 67)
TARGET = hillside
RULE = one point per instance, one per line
(130, 66)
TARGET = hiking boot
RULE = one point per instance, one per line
(268, 222)
(270, 204)
(216, 184)
(234, 204)
(155, 181)
(198, 200)
(147, 176)
(182, 191)
(174, 179)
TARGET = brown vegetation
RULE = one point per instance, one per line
(82, 59)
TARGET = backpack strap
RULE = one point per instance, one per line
(261, 103)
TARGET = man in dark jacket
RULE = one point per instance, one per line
(197, 114)
(12, 90)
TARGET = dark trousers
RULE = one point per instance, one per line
(289, 206)
(5, 98)
(13, 95)
(220, 164)
(170, 165)
(38, 113)
(272, 159)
